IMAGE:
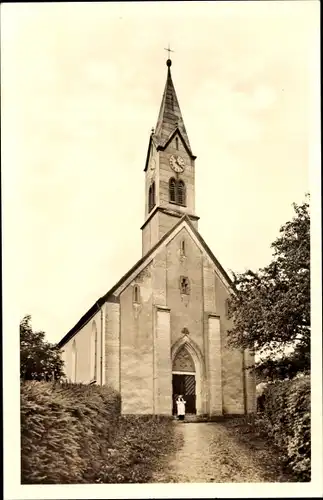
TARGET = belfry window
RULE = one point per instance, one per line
(151, 197)
(172, 190)
(181, 193)
(177, 191)
(176, 142)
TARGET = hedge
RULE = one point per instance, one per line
(141, 442)
(288, 414)
(73, 433)
(65, 431)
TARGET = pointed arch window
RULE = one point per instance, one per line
(176, 142)
(151, 197)
(93, 352)
(74, 361)
(177, 191)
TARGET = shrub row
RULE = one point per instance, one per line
(288, 414)
(139, 446)
(73, 433)
(65, 431)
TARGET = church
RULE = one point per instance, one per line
(162, 329)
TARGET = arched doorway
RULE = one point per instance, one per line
(184, 379)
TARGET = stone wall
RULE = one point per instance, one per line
(112, 345)
(162, 362)
(136, 351)
(82, 342)
(186, 309)
(232, 359)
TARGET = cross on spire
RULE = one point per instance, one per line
(169, 51)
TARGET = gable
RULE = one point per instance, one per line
(184, 223)
(161, 147)
(113, 294)
(176, 133)
(152, 144)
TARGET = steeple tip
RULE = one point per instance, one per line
(170, 116)
(169, 62)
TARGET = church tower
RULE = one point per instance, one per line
(169, 171)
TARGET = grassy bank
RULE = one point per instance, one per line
(252, 432)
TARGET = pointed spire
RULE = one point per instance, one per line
(170, 116)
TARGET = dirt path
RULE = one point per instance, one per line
(211, 453)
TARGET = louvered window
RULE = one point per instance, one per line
(181, 193)
(177, 191)
(172, 190)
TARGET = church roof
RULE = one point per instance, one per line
(170, 115)
(110, 297)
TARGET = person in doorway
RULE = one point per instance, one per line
(180, 407)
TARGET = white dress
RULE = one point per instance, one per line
(180, 407)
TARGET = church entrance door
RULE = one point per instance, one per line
(184, 384)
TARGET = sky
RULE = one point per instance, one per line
(81, 89)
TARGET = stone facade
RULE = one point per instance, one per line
(162, 329)
(164, 318)
(82, 354)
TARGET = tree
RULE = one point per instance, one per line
(271, 307)
(39, 360)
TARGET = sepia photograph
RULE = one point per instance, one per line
(161, 246)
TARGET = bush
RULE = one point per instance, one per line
(287, 411)
(73, 433)
(141, 442)
(66, 430)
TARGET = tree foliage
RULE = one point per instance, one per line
(39, 360)
(271, 307)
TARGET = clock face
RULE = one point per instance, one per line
(177, 163)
